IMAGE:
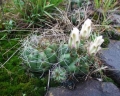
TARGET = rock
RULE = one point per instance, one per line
(115, 18)
(111, 58)
(115, 22)
(87, 88)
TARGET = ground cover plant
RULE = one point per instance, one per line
(47, 31)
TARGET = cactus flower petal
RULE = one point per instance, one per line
(95, 46)
(86, 29)
(74, 39)
(99, 40)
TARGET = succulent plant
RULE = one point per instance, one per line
(65, 59)
(59, 74)
(35, 60)
(71, 58)
(63, 49)
(53, 46)
(84, 68)
(51, 55)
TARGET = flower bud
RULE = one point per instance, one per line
(74, 39)
(93, 49)
(86, 29)
(99, 40)
(95, 46)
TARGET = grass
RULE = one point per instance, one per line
(31, 12)
(105, 6)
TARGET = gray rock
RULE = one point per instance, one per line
(115, 18)
(111, 58)
(87, 88)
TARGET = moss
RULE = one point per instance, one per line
(111, 35)
(105, 43)
(15, 84)
(108, 79)
(13, 79)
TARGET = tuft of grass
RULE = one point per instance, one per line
(29, 13)
(104, 6)
(36, 11)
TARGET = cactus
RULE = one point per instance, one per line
(63, 49)
(51, 55)
(53, 46)
(73, 67)
(84, 68)
(36, 61)
(65, 59)
(59, 74)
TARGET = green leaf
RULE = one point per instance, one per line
(48, 6)
(48, 14)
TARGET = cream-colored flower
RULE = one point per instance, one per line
(95, 46)
(74, 39)
(86, 29)
(93, 49)
(99, 40)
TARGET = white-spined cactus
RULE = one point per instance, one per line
(51, 55)
(59, 74)
(74, 39)
(86, 29)
(72, 58)
(35, 60)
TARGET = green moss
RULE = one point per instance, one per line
(13, 79)
(15, 84)
(108, 79)
(106, 42)
(111, 35)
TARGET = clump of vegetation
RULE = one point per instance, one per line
(36, 12)
(104, 6)
(63, 60)
(30, 13)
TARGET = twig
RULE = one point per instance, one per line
(69, 6)
(10, 49)
(1, 4)
(48, 81)
(10, 57)
(14, 30)
(100, 69)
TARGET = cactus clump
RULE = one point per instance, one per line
(72, 58)
(33, 56)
